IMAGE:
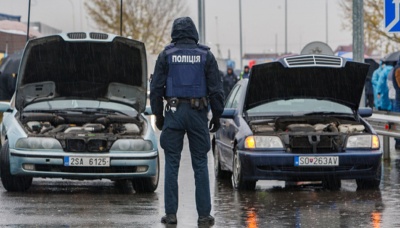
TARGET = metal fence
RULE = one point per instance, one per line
(386, 124)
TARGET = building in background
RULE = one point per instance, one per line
(44, 29)
(13, 36)
(9, 17)
(13, 33)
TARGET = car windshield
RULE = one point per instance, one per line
(81, 105)
(300, 107)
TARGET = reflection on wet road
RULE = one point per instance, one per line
(300, 206)
(56, 202)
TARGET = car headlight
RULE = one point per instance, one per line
(32, 143)
(132, 145)
(252, 142)
(363, 141)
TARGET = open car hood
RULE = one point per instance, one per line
(91, 66)
(319, 77)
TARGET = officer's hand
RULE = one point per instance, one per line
(160, 122)
(214, 124)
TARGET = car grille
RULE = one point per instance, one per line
(98, 36)
(69, 169)
(77, 35)
(314, 60)
(301, 144)
(81, 145)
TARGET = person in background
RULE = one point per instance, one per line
(369, 91)
(374, 81)
(396, 85)
(382, 88)
(229, 81)
(245, 73)
(186, 75)
(392, 91)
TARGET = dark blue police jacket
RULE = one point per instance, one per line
(186, 75)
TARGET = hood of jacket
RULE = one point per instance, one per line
(182, 28)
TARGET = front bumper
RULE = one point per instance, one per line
(280, 166)
(51, 164)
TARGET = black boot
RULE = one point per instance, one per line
(169, 219)
(206, 220)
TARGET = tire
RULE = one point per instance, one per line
(237, 178)
(11, 183)
(147, 184)
(370, 183)
(219, 173)
(332, 183)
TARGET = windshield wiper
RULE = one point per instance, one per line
(97, 110)
(324, 113)
(49, 111)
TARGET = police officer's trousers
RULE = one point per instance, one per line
(194, 123)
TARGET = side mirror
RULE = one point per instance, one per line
(5, 106)
(229, 113)
(148, 111)
(365, 112)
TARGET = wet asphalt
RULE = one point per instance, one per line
(102, 203)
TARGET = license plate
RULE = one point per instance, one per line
(316, 161)
(87, 161)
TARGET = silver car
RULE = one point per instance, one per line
(77, 113)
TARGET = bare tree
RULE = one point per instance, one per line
(375, 36)
(149, 21)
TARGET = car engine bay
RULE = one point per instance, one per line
(85, 132)
(309, 134)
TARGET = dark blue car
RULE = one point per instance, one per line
(298, 119)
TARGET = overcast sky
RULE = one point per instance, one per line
(263, 22)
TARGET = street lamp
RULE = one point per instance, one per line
(285, 26)
(240, 31)
(326, 20)
(29, 20)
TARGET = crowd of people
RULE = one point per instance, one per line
(385, 88)
(230, 78)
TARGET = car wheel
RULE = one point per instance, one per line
(147, 184)
(237, 178)
(11, 183)
(370, 183)
(219, 173)
(332, 183)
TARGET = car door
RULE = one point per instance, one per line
(229, 129)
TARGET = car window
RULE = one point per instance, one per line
(300, 106)
(231, 96)
(235, 101)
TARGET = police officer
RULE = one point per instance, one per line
(186, 75)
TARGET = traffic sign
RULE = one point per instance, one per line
(392, 15)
